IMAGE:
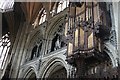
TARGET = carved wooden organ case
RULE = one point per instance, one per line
(87, 25)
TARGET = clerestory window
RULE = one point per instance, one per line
(62, 5)
(6, 5)
(43, 17)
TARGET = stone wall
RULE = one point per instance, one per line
(47, 61)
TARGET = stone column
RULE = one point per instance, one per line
(44, 46)
(11, 60)
(48, 45)
(25, 52)
(1, 73)
(119, 37)
(42, 52)
(116, 10)
(117, 28)
(19, 52)
(0, 25)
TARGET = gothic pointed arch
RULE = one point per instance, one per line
(30, 74)
(52, 67)
(34, 46)
(54, 34)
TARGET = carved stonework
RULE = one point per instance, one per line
(57, 41)
(39, 64)
(112, 38)
(57, 44)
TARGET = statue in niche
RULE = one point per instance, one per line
(61, 38)
(57, 43)
(34, 55)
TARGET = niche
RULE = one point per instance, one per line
(56, 44)
(34, 53)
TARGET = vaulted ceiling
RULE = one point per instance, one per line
(27, 11)
(33, 9)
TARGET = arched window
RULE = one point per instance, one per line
(6, 5)
(43, 17)
(53, 12)
(62, 5)
(4, 49)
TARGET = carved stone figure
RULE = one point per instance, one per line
(57, 43)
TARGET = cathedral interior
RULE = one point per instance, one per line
(59, 39)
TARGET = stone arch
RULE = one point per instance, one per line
(55, 26)
(52, 31)
(53, 65)
(34, 39)
(53, 68)
(29, 73)
(112, 53)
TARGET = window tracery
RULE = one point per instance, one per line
(6, 5)
(43, 17)
(62, 5)
(4, 49)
